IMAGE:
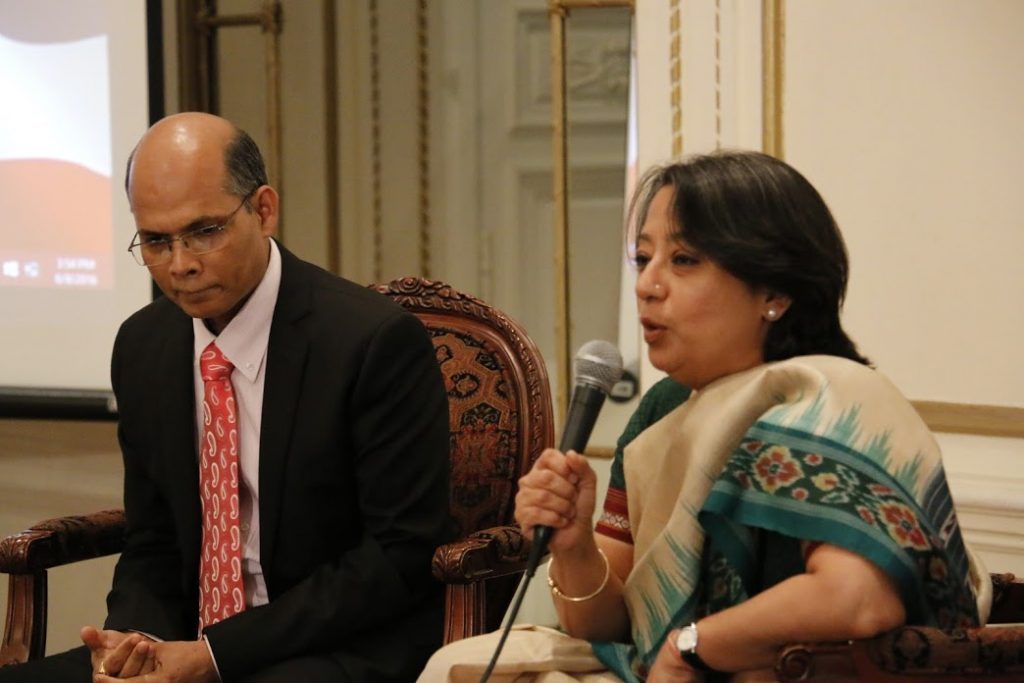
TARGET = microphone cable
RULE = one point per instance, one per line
(513, 612)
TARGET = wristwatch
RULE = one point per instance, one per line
(686, 641)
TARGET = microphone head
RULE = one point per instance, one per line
(599, 364)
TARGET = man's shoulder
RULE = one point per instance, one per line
(153, 318)
(334, 295)
(156, 333)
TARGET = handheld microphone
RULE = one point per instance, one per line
(597, 366)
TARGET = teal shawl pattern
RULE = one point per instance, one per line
(724, 492)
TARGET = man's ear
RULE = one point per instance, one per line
(775, 305)
(266, 204)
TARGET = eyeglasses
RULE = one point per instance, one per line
(156, 250)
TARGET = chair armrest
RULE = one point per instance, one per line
(1007, 599)
(996, 651)
(62, 540)
(498, 551)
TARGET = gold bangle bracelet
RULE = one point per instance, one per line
(604, 582)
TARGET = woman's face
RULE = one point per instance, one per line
(700, 322)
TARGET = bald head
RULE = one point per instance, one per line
(195, 145)
(198, 191)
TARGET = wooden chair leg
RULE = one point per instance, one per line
(25, 630)
(465, 610)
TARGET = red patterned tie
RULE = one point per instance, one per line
(221, 591)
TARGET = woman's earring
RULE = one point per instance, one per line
(772, 314)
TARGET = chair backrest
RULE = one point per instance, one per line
(498, 396)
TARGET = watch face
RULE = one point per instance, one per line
(686, 641)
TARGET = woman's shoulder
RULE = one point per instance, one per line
(665, 396)
(828, 363)
(833, 370)
(852, 402)
(661, 399)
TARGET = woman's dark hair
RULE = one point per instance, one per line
(764, 223)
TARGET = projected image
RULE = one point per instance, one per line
(55, 152)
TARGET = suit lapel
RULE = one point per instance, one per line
(285, 371)
(179, 459)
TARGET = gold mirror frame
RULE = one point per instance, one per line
(198, 23)
(558, 11)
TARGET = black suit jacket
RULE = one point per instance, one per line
(353, 483)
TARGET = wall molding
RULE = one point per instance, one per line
(596, 76)
(972, 418)
(984, 493)
(990, 511)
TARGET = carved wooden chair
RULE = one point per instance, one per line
(500, 410)
(500, 421)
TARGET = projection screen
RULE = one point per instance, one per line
(75, 84)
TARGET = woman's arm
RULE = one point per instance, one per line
(841, 596)
(560, 492)
(580, 572)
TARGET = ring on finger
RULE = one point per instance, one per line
(102, 671)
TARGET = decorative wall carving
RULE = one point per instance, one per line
(597, 68)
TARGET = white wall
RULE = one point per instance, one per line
(905, 116)
(916, 144)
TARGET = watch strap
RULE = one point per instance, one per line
(693, 659)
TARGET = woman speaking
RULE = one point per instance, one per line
(794, 495)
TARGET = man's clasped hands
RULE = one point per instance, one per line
(120, 656)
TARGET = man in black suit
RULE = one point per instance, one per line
(343, 426)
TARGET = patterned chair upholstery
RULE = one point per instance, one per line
(500, 410)
(500, 421)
